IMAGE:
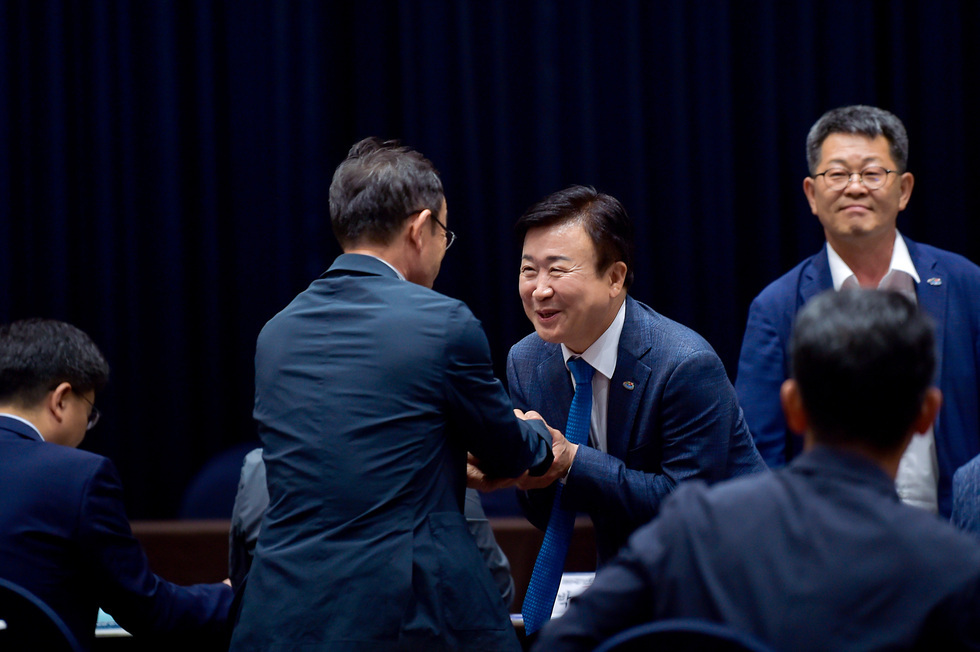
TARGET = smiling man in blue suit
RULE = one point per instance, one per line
(662, 411)
(858, 184)
(64, 535)
(370, 390)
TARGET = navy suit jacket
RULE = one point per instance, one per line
(949, 292)
(966, 496)
(820, 555)
(369, 391)
(672, 416)
(64, 537)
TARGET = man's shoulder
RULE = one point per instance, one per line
(646, 328)
(784, 289)
(531, 348)
(953, 262)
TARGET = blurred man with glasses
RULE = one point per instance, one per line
(858, 183)
(64, 535)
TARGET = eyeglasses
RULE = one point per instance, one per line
(450, 236)
(93, 416)
(873, 177)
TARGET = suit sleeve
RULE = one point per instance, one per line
(761, 372)
(505, 445)
(251, 502)
(536, 504)
(699, 423)
(493, 556)
(141, 602)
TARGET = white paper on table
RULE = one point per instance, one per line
(571, 585)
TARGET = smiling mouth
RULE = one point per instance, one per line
(545, 315)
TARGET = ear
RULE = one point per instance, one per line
(415, 230)
(57, 401)
(931, 403)
(907, 182)
(617, 276)
(810, 189)
(792, 401)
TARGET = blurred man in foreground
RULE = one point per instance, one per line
(820, 555)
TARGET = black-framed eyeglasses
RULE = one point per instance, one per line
(872, 178)
(450, 236)
(93, 416)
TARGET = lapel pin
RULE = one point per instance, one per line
(629, 385)
(935, 280)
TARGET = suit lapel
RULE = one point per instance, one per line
(815, 277)
(551, 373)
(931, 294)
(629, 381)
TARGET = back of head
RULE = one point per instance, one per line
(867, 121)
(378, 186)
(603, 217)
(36, 355)
(863, 360)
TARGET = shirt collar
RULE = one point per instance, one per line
(24, 421)
(386, 263)
(901, 261)
(603, 353)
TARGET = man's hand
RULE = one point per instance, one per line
(561, 448)
(477, 479)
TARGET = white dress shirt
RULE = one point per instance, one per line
(918, 471)
(602, 357)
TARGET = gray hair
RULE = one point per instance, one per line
(868, 121)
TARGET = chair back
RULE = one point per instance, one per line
(682, 635)
(27, 623)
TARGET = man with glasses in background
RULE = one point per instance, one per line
(64, 535)
(858, 183)
(370, 390)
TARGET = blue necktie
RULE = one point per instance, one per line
(540, 598)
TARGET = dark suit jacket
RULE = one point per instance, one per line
(672, 416)
(949, 292)
(820, 555)
(252, 500)
(64, 537)
(369, 391)
(966, 496)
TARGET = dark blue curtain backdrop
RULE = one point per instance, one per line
(164, 166)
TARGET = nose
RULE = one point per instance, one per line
(855, 183)
(542, 289)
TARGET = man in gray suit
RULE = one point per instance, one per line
(370, 390)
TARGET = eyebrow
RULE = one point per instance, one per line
(548, 259)
(864, 161)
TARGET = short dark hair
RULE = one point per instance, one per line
(603, 217)
(378, 186)
(863, 360)
(36, 355)
(868, 121)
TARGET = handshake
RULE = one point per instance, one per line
(563, 451)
